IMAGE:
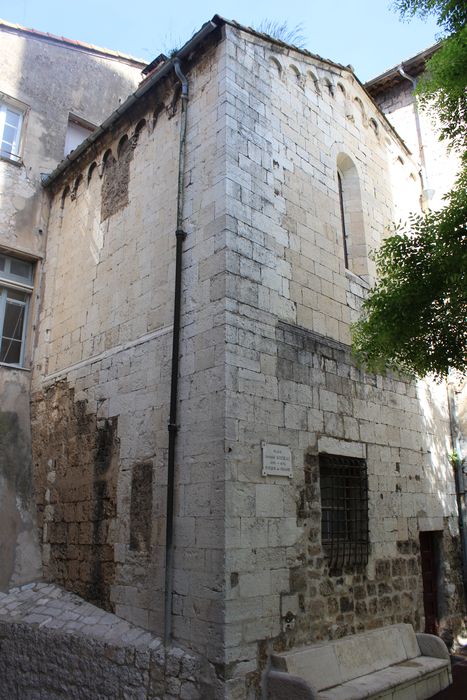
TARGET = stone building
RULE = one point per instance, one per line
(393, 93)
(45, 107)
(220, 225)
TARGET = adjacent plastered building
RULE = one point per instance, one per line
(207, 252)
(46, 109)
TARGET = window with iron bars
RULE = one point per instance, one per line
(344, 510)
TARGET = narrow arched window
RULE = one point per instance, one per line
(343, 227)
(353, 238)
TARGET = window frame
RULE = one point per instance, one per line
(345, 234)
(344, 493)
(20, 109)
(354, 243)
(11, 282)
(73, 122)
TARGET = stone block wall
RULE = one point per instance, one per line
(76, 482)
(51, 79)
(266, 313)
(19, 547)
(56, 646)
(104, 360)
(291, 380)
(281, 591)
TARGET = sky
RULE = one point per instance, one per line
(364, 33)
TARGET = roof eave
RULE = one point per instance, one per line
(393, 73)
(147, 85)
(72, 44)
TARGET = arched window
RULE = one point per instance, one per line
(342, 212)
(354, 245)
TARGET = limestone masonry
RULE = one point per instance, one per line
(309, 498)
(44, 83)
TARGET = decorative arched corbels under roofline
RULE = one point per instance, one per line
(299, 77)
(277, 64)
(91, 170)
(361, 109)
(65, 193)
(122, 146)
(374, 126)
(341, 90)
(314, 79)
(159, 108)
(75, 188)
(329, 86)
(142, 124)
(106, 158)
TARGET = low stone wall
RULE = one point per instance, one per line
(56, 646)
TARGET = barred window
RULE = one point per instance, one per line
(344, 510)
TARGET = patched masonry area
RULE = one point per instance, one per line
(54, 644)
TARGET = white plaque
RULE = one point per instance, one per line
(277, 460)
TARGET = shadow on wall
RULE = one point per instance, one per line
(75, 472)
(51, 81)
(19, 547)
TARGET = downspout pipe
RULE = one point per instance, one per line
(180, 236)
(145, 87)
(459, 481)
(426, 191)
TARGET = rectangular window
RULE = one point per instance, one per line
(11, 122)
(344, 510)
(77, 131)
(16, 278)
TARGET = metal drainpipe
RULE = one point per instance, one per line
(459, 482)
(427, 193)
(173, 427)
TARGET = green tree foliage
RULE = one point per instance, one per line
(414, 320)
(451, 14)
(443, 85)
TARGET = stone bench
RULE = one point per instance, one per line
(389, 663)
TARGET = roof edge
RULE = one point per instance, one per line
(279, 42)
(409, 64)
(151, 80)
(162, 68)
(71, 44)
(308, 54)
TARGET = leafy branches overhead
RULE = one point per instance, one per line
(452, 14)
(443, 85)
(415, 319)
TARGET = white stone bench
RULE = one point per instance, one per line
(389, 663)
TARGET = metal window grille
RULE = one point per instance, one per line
(344, 510)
